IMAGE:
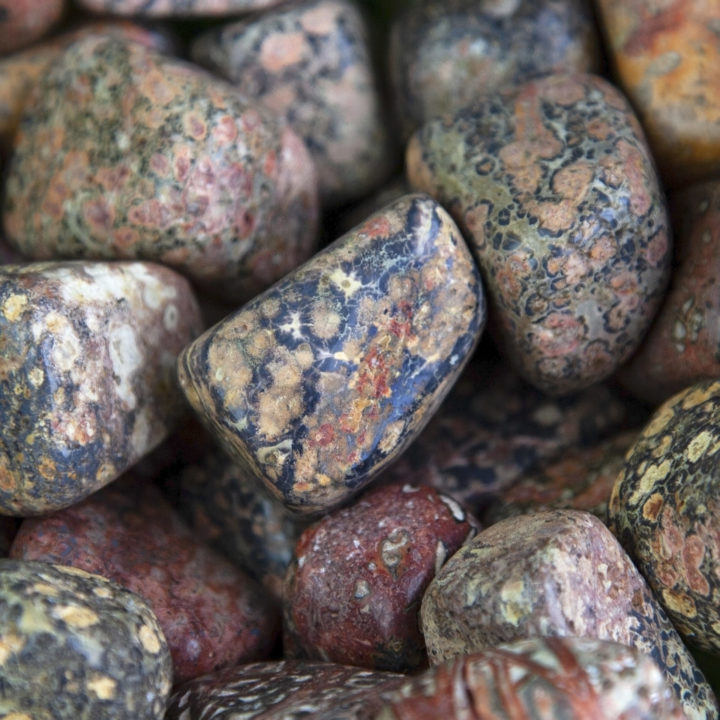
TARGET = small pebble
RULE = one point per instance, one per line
(22, 22)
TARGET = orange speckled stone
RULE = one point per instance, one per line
(667, 58)
(24, 21)
(176, 8)
(124, 153)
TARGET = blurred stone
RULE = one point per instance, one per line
(176, 9)
(22, 22)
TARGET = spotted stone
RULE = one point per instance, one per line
(558, 573)
(310, 63)
(176, 8)
(665, 509)
(667, 58)
(87, 383)
(444, 55)
(364, 569)
(544, 678)
(24, 21)
(553, 185)
(124, 153)
(75, 646)
(321, 381)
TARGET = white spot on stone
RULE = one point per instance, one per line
(457, 512)
(440, 556)
(36, 377)
(293, 326)
(171, 317)
(349, 284)
(126, 359)
(362, 589)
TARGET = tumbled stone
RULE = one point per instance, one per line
(310, 63)
(667, 58)
(558, 573)
(543, 678)
(554, 188)
(285, 690)
(124, 153)
(211, 613)
(321, 381)
(24, 21)
(363, 570)
(683, 344)
(87, 382)
(445, 55)
(76, 646)
(665, 509)
(176, 8)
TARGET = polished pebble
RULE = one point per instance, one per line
(176, 9)
(75, 646)
(554, 188)
(22, 22)
(320, 382)
(558, 573)
(124, 153)
(87, 382)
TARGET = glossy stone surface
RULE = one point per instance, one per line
(284, 690)
(309, 62)
(124, 153)
(542, 678)
(211, 613)
(363, 570)
(176, 8)
(76, 646)
(24, 21)
(667, 58)
(321, 381)
(559, 573)
(553, 186)
(665, 509)
(445, 55)
(87, 384)
(683, 344)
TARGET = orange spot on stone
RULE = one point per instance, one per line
(652, 507)
(279, 51)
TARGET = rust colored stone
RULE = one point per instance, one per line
(24, 21)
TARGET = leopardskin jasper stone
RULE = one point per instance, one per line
(665, 509)
(309, 62)
(75, 646)
(87, 381)
(446, 55)
(176, 8)
(24, 21)
(557, 573)
(284, 690)
(321, 381)
(211, 613)
(543, 678)
(363, 570)
(683, 344)
(553, 186)
(124, 153)
(667, 58)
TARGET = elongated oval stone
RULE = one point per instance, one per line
(76, 646)
(87, 381)
(318, 383)
(176, 8)
(124, 153)
(553, 186)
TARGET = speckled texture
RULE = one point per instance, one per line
(176, 8)
(559, 573)
(87, 382)
(24, 21)
(75, 646)
(446, 54)
(543, 679)
(284, 690)
(665, 508)
(353, 591)
(212, 614)
(667, 57)
(321, 381)
(683, 344)
(124, 153)
(309, 62)
(553, 185)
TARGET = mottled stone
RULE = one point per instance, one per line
(284, 690)
(553, 186)
(363, 570)
(176, 8)
(541, 678)
(683, 344)
(309, 62)
(446, 54)
(665, 509)
(124, 153)
(321, 381)
(667, 58)
(75, 646)
(24, 21)
(211, 613)
(558, 573)
(87, 382)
